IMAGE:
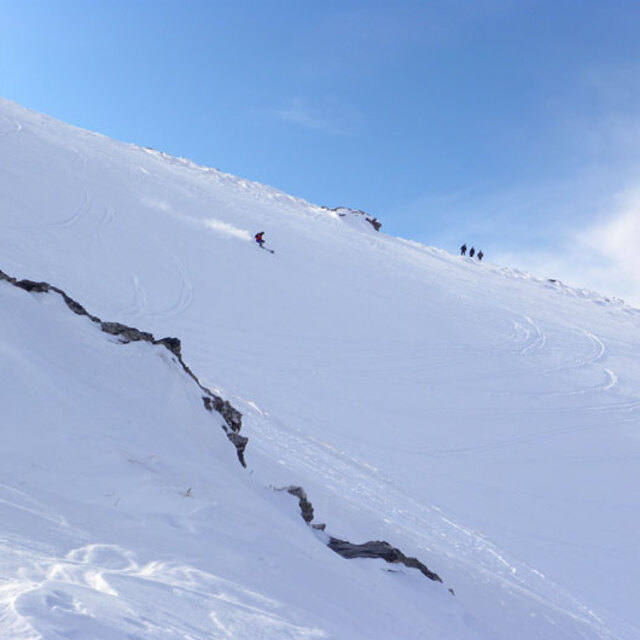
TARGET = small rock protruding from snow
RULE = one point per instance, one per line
(357, 217)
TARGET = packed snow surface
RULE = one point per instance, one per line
(478, 418)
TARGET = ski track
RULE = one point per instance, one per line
(56, 224)
(434, 533)
(9, 126)
(139, 303)
(417, 363)
(108, 218)
(185, 297)
(585, 352)
(593, 352)
(65, 590)
(24, 503)
(80, 158)
(534, 338)
(73, 218)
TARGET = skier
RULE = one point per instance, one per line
(260, 241)
(471, 252)
(480, 255)
(463, 249)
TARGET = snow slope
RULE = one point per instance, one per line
(476, 417)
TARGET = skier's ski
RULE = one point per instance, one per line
(265, 248)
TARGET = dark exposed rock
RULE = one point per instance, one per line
(232, 417)
(233, 424)
(33, 287)
(349, 550)
(306, 508)
(127, 334)
(375, 223)
(173, 344)
(380, 549)
(344, 211)
(240, 443)
(76, 307)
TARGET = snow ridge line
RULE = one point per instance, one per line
(349, 550)
(232, 417)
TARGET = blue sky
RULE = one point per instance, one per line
(511, 125)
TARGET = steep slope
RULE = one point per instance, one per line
(125, 513)
(479, 419)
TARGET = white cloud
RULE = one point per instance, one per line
(616, 243)
(602, 257)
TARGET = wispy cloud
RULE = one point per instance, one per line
(578, 221)
(330, 116)
(584, 231)
(601, 256)
(615, 243)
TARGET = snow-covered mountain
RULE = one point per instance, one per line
(482, 422)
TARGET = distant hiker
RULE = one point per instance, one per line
(471, 252)
(480, 255)
(463, 249)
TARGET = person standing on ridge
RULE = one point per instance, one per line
(471, 252)
(463, 249)
(480, 254)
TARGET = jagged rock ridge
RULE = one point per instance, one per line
(233, 425)
(349, 550)
(232, 417)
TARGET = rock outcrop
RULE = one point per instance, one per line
(232, 426)
(380, 549)
(306, 508)
(231, 416)
(343, 212)
(372, 549)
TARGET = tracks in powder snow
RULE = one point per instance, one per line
(140, 303)
(556, 351)
(8, 126)
(177, 281)
(480, 566)
(70, 220)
